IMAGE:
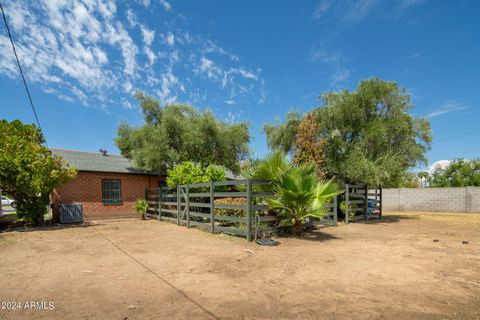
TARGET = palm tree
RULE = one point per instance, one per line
(299, 193)
(272, 167)
(141, 206)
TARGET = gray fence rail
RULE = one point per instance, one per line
(233, 207)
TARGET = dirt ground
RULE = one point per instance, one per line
(135, 269)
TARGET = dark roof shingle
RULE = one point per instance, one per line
(89, 161)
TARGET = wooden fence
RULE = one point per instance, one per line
(362, 201)
(200, 205)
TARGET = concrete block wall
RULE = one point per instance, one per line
(465, 200)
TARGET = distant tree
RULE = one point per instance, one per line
(281, 136)
(28, 170)
(177, 132)
(188, 172)
(423, 176)
(459, 173)
(410, 180)
(309, 146)
(370, 136)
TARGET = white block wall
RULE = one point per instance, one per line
(466, 200)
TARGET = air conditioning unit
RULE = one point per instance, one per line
(71, 213)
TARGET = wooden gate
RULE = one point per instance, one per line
(362, 202)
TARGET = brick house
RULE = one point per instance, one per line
(107, 185)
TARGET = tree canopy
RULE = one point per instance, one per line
(281, 136)
(176, 133)
(28, 170)
(459, 173)
(367, 134)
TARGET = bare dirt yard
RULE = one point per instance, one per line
(135, 269)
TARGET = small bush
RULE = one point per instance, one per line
(188, 173)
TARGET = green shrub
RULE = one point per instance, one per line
(343, 207)
(188, 172)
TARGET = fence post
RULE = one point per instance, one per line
(1, 204)
(347, 205)
(212, 207)
(381, 199)
(365, 210)
(248, 227)
(178, 205)
(335, 211)
(188, 206)
(159, 203)
(147, 194)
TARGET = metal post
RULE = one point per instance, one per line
(188, 207)
(212, 207)
(249, 210)
(347, 205)
(159, 203)
(365, 210)
(178, 205)
(335, 211)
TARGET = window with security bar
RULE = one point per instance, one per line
(111, 192)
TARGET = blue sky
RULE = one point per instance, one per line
(245, 60)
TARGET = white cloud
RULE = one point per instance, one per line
(248, 74)
(150, 55)
(166, 5)
(403, 6)
(148, 35)
(170, 39)
(327, 56)
(229, 102)
(441, 164)
(167, 81)
(351, 12)
(322, 8)
(359, 11)
(447, 107)
(131, 18)
(415, 55)
(339, 76)
(86, 51)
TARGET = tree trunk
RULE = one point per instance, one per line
(297, 227)
(143, 216)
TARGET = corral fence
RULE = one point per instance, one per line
(362, 202)
(236, 207)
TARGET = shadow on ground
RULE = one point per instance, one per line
(26, 228)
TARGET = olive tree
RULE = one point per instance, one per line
(175, 133)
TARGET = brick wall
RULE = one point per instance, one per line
(466, 200)
(86, 188)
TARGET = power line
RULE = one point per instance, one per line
(22, 75)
